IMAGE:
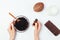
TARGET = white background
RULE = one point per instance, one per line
(25, 7)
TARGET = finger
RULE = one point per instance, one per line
(13, 27)
(9, 29)
(39, 25)
(36, 26)
(14, 22)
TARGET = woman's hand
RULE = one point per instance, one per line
(12, 31)
(37, 30)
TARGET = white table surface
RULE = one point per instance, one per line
(25, 7)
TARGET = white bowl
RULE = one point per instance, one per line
(52, 11)
(26, 19)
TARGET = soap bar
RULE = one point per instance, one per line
(38, 7)
(52, 28)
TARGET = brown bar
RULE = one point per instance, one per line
(52, 28)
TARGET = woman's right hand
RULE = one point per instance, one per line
(37, 30)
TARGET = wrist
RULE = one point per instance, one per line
(36, 33)
(36, 37)
(11, 38)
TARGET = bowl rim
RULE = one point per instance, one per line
(25, 18)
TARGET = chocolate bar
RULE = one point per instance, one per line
(52, 28)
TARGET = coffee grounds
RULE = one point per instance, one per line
(22, 24)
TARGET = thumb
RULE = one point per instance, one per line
(36, 26)
(39, 26)
(12, 27)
